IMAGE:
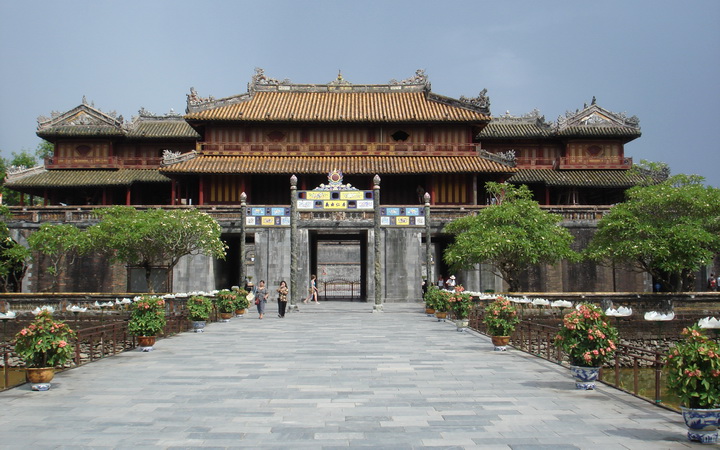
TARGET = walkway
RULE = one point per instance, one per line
(334, 375)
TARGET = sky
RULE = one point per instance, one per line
(658, 60)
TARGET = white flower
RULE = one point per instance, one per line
(7, 315)
(40, 309)
(540, 302)
(709, 322)
(561, 304)
(619, 312)
(76, 309)
(656, 316)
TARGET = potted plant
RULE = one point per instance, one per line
(225, 304)
(500, 318)
(199, 308)
(460, 303)
(588, 339)
(430, 299)
(241, 301)
(438, 300)
(693, 374)
(147, 319)
(43, 345)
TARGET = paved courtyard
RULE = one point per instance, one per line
(333, 375)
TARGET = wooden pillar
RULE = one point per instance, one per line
(173, 192)
(201, 188)
(128, 196)
(547, 195)
(22, 199)
(431, 189)
(45, 197)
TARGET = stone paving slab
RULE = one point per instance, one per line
(334, 375)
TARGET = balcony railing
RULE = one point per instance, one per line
(594, 162)
(70, 214)
(364, 148)
(108, 162)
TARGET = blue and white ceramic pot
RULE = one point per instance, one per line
(585, 377)
(702, 424)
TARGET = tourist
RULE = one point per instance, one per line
(313, 290)
(441, 282)
(282, 298)
(712, 282)
(261, 295)
(450, 283)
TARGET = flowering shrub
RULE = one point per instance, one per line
(460, 302)
(199, 308)
(501, 317)
(437, 299)
(225, 301)
(694, 370)
(45, 342)
(147, 316)
(587, 337)
(241, 301)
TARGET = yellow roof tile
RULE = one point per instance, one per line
(326, 164)
(338, 106)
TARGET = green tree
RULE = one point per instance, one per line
(60, 244)
(22, 159)
(44, 149)
(155, 237)
(13, 257)
(511, 235)
(668, 230)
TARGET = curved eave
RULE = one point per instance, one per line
(368, 165)
(577, 178)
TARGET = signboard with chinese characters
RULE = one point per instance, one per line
(402, 216)
(268, 216)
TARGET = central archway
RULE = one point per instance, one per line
(339, 259)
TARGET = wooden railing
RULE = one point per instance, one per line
(224, 214)
(108, 162)
(538, 340)
(354, 149)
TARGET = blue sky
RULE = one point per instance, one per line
(658, 60)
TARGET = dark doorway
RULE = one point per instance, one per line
(340, 262)
(227, 271)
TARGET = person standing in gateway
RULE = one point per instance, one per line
(282, 298)
(313, 290)
(261, 295)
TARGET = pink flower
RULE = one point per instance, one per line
(62, 344)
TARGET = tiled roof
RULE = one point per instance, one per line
(599, 131)
(514, 130)
(579, 178)
(92, 178)
(338, 106)
(162, 129)
(81, 130)
(348, 164)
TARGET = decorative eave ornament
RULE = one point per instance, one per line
(335, 183)
(595, 116)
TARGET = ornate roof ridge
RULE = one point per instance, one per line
(261, 83)
(595, 116)
(531, 118)
(144, 114)
(14, 173)
(83, 114)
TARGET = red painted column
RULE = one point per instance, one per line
(201, 194)
(128, 196)
(173, 192)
